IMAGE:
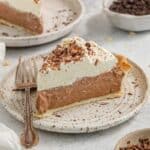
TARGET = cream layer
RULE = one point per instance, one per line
(71, 72)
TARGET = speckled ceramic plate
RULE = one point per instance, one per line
(94, 116)
(60, 17)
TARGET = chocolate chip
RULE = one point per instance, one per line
(143, 144)
(132, 7)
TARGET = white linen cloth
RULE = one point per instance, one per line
(8, 139)
(2, 51)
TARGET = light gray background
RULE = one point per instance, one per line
(93, 26)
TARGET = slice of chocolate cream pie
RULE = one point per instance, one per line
(78, 71)
(23, 13)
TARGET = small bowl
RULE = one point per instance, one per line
(126, 21)
(133, 137)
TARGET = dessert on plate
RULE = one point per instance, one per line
(22, 13)
(76, 72)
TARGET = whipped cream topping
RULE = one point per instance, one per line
(95, 61)
(8, 139)
(31, 6)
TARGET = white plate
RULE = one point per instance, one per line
(85, 118)
(60, 17)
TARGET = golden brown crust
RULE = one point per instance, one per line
(123, 63)
(101, 98)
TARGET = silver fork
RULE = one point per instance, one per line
(25, 80)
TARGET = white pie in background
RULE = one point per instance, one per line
(23, 13)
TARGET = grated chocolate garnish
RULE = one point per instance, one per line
(5, 34)
(36, 1)
(96, 62)
(71, 53)
(87, 44)
(143, 144)
(56, 115)
(119, 112)
(130, 94)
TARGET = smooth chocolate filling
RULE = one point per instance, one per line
(83, 89)
(24, 19)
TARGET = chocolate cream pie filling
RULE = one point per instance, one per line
(77, 71)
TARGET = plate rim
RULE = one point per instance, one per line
(85, 128)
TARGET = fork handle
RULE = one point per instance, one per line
(28, 108)
(28, 135)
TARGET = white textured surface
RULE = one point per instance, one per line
(95, 26)
(25, 6)
(72, 72)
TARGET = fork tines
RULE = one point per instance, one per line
(26, 74)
